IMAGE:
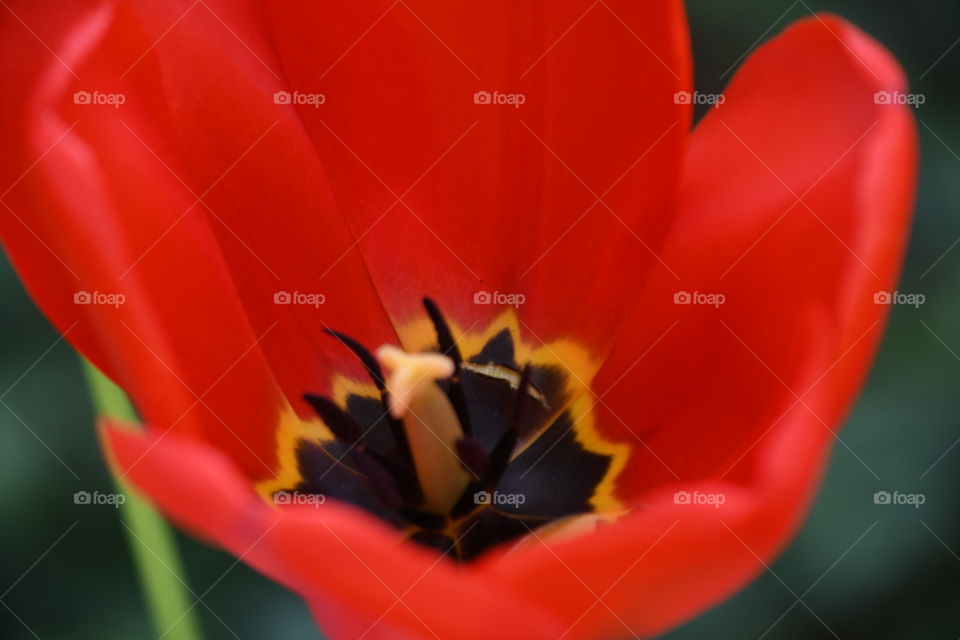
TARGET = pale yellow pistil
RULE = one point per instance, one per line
(429, 420)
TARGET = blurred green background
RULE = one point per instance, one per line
(860, 570)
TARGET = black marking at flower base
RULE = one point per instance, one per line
(521, 433)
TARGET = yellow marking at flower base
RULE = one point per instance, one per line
(291, 429)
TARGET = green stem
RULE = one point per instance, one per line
(151, 539)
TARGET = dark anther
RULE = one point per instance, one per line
(376, 373)
(342, 425)
(448, 347)
(380, 471)
(369, 362)
(473, 457)
(379, 479)
(500, 456)
(445, 341)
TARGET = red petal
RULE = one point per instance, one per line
(95, 211)
(715, 400)
(449, 197)
(262, 187)
(799, 120)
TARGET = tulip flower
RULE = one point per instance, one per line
(443, 315)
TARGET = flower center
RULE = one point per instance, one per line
(460, 446)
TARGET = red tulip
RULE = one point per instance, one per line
(651, 334)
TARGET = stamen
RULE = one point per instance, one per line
(376, 374)
(375, 470)
(369, 362)
(430, 422)
(377, 477)
(340, 424)
(500, 456)
(508, 375)
(448, 347)
(445, 341)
